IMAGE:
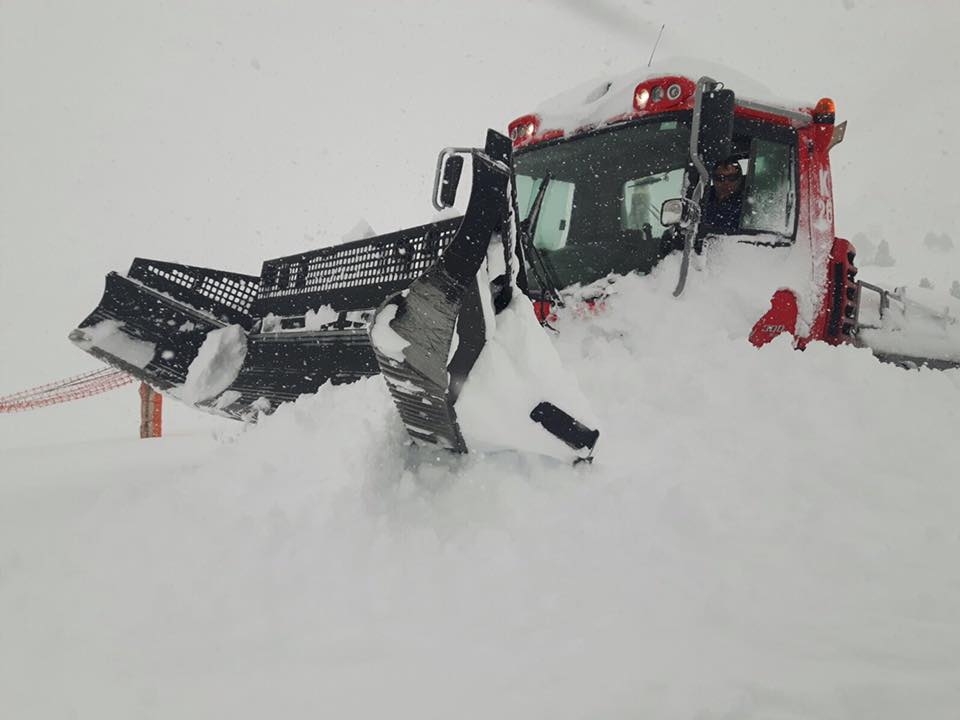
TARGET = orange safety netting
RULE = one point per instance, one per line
(74, 388)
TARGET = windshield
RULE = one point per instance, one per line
(601, 209)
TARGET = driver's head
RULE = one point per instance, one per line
(727, 179)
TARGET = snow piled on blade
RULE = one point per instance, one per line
(108, 336)
(756, 538)
(319, 318)
(384, 338)
(517, 370)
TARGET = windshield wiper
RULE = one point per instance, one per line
(542, 269)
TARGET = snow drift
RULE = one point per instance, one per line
(766, 533)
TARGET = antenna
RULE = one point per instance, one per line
(656, 44)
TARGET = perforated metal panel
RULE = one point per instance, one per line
(354, 276)
(225, 294)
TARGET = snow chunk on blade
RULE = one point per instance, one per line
(319, 318)
(216, 366)
(384, 338)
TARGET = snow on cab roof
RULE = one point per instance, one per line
(598, 100)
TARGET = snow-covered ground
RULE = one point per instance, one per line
(765, 533)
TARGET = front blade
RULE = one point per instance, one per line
(164, 335)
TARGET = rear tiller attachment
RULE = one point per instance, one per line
(903, 331)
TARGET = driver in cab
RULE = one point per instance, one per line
(721, 210)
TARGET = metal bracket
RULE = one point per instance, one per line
(690, 231)
(474, 153)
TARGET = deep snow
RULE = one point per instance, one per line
(764, 533)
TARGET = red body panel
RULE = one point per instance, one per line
(831, 258)
(543, 309)
(835, 318)
(780, 318)
(763, 116)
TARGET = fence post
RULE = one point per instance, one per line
(151, 412)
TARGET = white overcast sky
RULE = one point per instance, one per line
(222, 133)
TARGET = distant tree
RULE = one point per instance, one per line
(938, 242)
(866, 249)
(883, 257)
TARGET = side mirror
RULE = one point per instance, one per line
(446, 194)
(715, 126)
(673, 212)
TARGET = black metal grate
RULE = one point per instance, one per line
(357, 275)
(216, 291)
(236, 292)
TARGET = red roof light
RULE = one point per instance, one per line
(525, 130)
(666, 93)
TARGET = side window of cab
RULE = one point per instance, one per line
(770, 200)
